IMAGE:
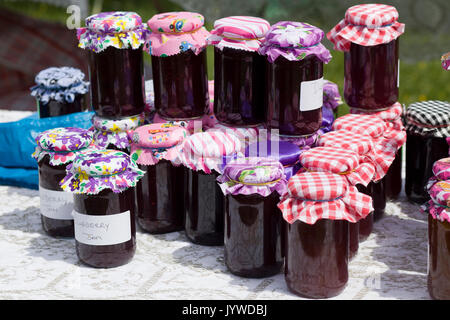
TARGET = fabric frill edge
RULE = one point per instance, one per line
(232, 188)
(272, 53)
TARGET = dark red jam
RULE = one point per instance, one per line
(365, 227)
(54, 108)
(421, 153)
(438, 258)
(103, 204)
(377, 191)
(49, 178)
(117, 82)
(181, 85)
(204, 209)
(353, 239)
(159, 207)
(253, 235)
(371, 74)
(393, 178)
(283, 89)
(238, 87)
(316, 264)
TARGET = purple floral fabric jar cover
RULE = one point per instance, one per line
(120, 29)
(331, 96)
(253, 175)
(94, 171)
(62, 144)
(294, 41)
(114, 132)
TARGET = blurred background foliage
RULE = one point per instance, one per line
(426, 38)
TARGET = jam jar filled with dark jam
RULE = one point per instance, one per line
(371, 74)
(115, 41)
(316, 264)
(239, 70)
(427, 125)
(393, 178)
(368, 36)
(203, 155)
(253, 226)
(60, 91)
(160, 193)
(56, 149)
(177, 46)
(104, 210)
(294, 78)
(376, 190)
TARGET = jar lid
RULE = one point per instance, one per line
(445, 59)
(62, 144)
(361, 124)
(239, 32)
(253, 175)
(176, 32)
(205, 150)
(294, 41)
(94, 171)
(154, 142)
(118, 29)
(347, 140)
(61, 84)
(366, 25)
(321, 195)
(344, 162)
(428, 118)
(113, 22)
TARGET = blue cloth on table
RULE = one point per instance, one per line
(17, 143)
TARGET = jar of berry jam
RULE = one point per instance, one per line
(239, 70)
(294, 77)
(438, 210)
(113, 134)
(55, 149)
(368, 35)
(116, 68)
(252, 188)
(364, 146)
(318, 208)
(386, 145)
(202, 153)
(60, 91)
(177, 46)
(154, 149)
(102, 184)
(346, 163)
(395, 133)
(427, 125)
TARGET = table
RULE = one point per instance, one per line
(390, 264)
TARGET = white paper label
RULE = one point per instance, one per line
(398, 74)
(56, 204)
(311, 95)
(102, 230)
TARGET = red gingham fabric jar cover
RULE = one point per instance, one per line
(385, 148)
(338, 161)
(366, 25)
(347, 140)
(313, 196)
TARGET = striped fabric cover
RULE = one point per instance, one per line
(238, 32)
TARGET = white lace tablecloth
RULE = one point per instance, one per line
(390, 264)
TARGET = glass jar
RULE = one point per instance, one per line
(368, 36)
(239, 70)
(353, 240)
(316, 264)
(371, 75)
(294, 77)
(427, 125)
(177, 46)
(116, 68)
(253, 229)
(154, 150)
(56, 148)
(393, 178)
(103, 182)
(60, 91)
(94, 211)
